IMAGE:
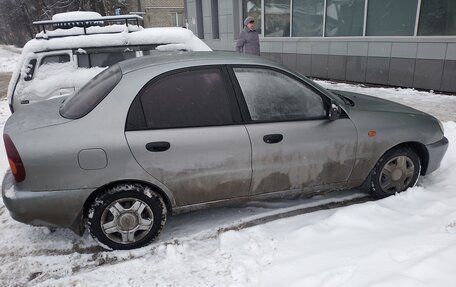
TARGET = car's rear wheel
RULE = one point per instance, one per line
(126, 216)
(395, 171)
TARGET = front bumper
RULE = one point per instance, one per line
(436, 151)
(60, 208)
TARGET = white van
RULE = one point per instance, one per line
(80, 45)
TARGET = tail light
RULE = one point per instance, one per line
(15, 161)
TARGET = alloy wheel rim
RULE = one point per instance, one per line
(127, 220)
(397, 174)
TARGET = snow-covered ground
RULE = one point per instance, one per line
(9, 55)
(441, 106)
(405, 240)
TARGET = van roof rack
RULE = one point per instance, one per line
(85, 23)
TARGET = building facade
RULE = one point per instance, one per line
(163, 13)
(406, 43)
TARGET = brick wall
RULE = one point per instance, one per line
(162, 13)
(162, 3)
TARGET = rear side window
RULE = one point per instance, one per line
(109, 59)
(103, 59)
(185, 99)
(91, 94)
(63, 58)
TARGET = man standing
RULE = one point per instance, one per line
(248, 41)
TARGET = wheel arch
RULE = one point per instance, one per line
(168, 201)
(419, 149)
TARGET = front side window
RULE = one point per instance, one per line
(391, 17)
(187, 99)
(277, 18)
(273, 96)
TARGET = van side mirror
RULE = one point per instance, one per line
(334, 112)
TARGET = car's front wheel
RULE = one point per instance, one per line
(126, 216)
(395, 171)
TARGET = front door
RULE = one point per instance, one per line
(294, 144)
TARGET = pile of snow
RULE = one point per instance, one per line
(77, 31)
(76, 15)
(148, 36)
(9, 56)
(51, 80)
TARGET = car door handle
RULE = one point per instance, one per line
(273, 138)
(158, 146)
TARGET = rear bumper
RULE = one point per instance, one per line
(45, 208)
(436, 152)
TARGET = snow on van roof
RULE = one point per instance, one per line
(76, 31)
(76, 15)
(110, 36)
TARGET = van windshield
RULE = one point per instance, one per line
(91, 94)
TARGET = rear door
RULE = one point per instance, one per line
(294, 145)
(185, 129)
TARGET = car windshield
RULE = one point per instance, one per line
(91, 94)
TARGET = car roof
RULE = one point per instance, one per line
(190, 59)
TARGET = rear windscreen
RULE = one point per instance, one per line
(91, 94)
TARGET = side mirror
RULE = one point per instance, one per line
(334, 112)
(29, 70)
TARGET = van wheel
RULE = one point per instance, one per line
(395, 171)
(126, 216)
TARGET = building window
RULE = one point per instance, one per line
(437, 17)
(391, 17)
(344, 18)
(252, 8)
(308, 18)
(277, 18)
(215, 19)
(176, 19)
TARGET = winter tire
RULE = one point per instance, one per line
(395, 171)
(126, 216)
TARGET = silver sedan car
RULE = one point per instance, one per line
(167, 134)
